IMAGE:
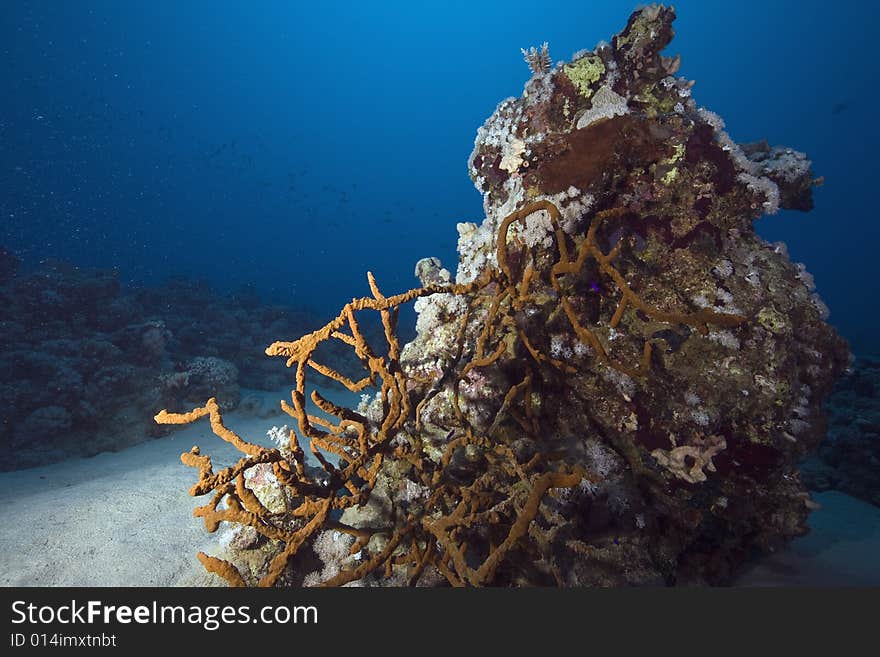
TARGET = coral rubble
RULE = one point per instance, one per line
(615, 390)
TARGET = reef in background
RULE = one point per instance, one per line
(85, 361)
(849, 458)
(615, 390)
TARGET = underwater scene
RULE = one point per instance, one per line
(502, 294)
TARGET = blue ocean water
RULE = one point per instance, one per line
(295, 146)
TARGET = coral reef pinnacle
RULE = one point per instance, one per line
(615, 390)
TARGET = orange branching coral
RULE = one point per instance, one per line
(480, 495)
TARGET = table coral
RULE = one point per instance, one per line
(599, 399)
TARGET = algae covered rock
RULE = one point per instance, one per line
(697, 425)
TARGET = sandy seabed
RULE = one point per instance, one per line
(125, 519)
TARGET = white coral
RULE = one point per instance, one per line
(512, 155)
(280, 436)
(332, 548)
(762, 186)
(534, 230)
(606, 104)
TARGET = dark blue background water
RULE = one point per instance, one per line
(295, 146)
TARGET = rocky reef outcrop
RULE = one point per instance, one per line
(615, 388)
(699, 446)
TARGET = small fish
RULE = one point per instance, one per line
(838, 108)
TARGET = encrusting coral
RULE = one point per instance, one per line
(596, 400)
